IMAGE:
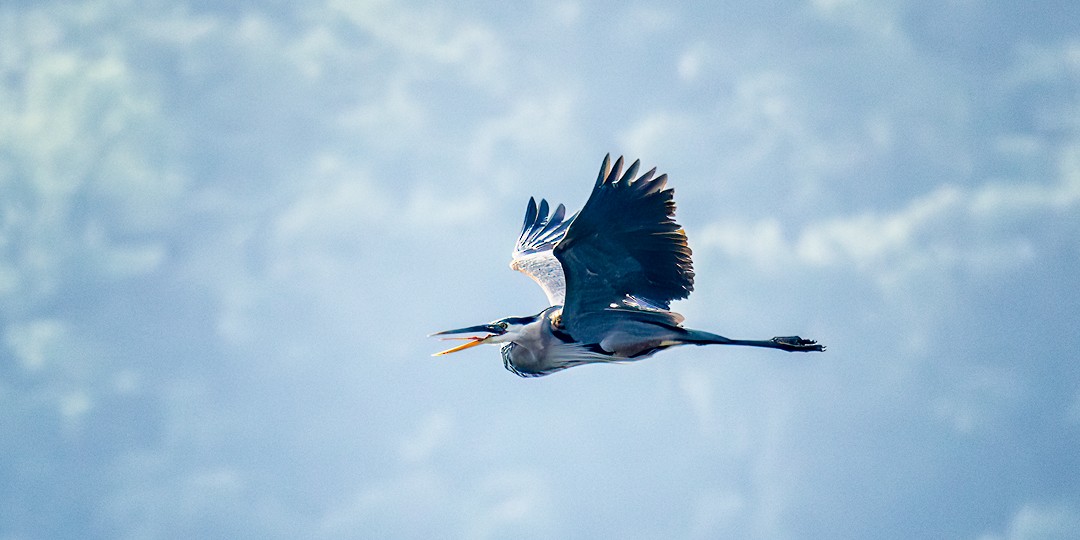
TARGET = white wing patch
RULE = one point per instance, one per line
(546, 271)
(533, 254)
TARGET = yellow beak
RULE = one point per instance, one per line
(491, 330)
(470, 343)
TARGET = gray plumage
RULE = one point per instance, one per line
(610, 274)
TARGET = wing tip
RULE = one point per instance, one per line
(530, 215)
(544, 225)
(609, 172)
(605, 166)
(628, 177)
(612, 173)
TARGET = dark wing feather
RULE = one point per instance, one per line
(532, 254)
(624, 244)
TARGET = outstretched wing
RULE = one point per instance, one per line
(532, 253)
(624, 252)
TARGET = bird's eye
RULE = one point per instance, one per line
(503, 325)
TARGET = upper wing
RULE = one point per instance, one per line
(532, 253)
(624, 251)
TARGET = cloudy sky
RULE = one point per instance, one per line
(227, 228)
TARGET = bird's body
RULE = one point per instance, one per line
(610, 274)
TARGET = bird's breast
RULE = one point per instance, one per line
(520, 361)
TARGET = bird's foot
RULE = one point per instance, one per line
(796, 343)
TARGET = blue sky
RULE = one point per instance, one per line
(226, 231)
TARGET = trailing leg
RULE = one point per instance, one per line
(788, 343)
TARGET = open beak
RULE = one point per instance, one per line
(470, 341)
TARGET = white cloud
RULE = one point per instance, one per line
(179, 26)
(340, 200)
(656, 133)
(433, 35)
(1037, 521)
(434, 433)
(698, 390)
(692, 61)
(1042, 63)
(947, 227)
(765, 96)
(315, 50)
(508, 502)
(342, 220)
(976, 396)
(640, 22)
(763, 243)
(425, 502)
(344, 198)
(878, 20)
(126, 382)
(384, 503)
(771, 124)
(567, 13)
(55, 362)
(36, 344)
(74, 405)
(538, 124)
(716, 512)
(83, 173)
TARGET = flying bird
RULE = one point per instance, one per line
(610, 273)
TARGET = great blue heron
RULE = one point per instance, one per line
(610, 274)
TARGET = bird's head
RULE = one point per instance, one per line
(500, 331)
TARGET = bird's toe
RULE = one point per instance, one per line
(796, 343)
